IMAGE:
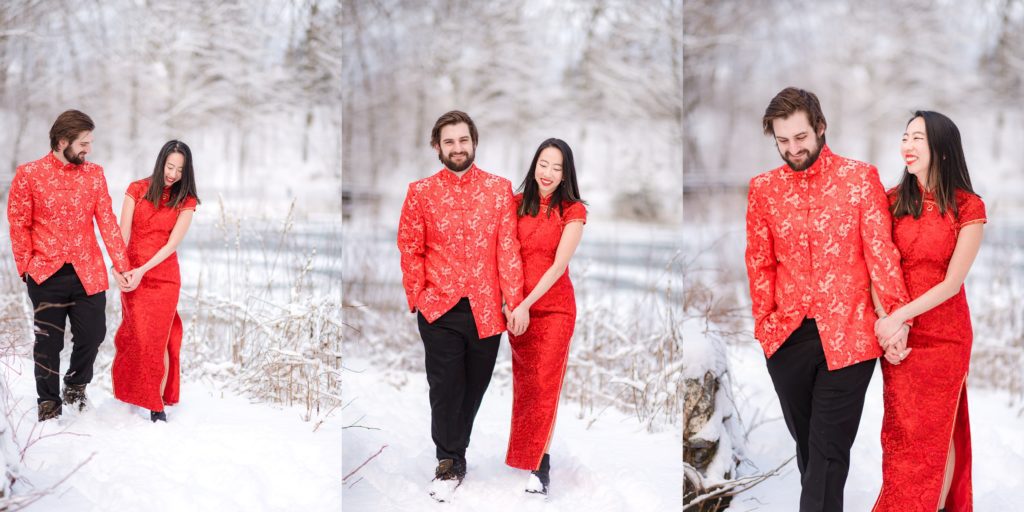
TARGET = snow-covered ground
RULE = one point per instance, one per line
(217, 452)
(610, 464)
(996, 435)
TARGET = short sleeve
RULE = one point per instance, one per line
(137, 190)
(972, 210)
(189, 203)
(575, 212)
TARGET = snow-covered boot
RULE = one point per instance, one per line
(541, 478)
(446, 480)
(74, 396)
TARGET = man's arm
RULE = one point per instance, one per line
(412, 246)
(761, 269)
(109, 229)
(19, 216)
(880, 253)
(510, 262)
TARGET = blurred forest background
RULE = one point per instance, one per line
(872, 63)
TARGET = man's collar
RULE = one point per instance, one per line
(451, 177)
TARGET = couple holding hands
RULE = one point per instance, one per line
(843, 272)
(477, 260)
(50, 209)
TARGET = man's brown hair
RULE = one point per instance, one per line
(69, 125)
(790, 101)
(453, 117)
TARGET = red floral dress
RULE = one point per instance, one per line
(540, 354)
(926, 395)
(150, 324)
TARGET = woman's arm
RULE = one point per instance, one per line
(177, 234)
(127, 212)
(571, 235)
(967, 244)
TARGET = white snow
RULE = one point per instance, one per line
(996, 441)
(217, 452)
(611, 464)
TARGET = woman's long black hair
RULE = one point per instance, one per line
(184, 187)
(566, 193)
(948, 169)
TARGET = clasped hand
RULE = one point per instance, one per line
(129, 280)
(892, 336)
(518, 319)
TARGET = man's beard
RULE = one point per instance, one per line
(78, 159)
(808, 162)
(468, 161)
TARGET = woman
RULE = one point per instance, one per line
(551, 218)
(937, 226)
(156, 214)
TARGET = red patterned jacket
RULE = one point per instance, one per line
(51, 209)
(816, 241)
(457, 236)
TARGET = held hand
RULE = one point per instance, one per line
(134, 278)
(122, 281)
(886, 328)
(520, 320)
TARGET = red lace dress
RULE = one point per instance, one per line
(540, 354)
(926, 395)
(150, 324)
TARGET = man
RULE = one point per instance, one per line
(50, 208)
(818, 238)
(460, 259)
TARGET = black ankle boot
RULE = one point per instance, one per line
(543, 474)
(155, 416)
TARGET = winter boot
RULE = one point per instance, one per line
(541, 478)
(74, 396)
(48, 410)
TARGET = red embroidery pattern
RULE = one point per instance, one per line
(816, 240)
(540, 354)
(150, 324)
(457, 238)
(926, 395)
(51, 209)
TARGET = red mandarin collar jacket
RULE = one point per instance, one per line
(50, 209)
(457, 237)
(816, 241)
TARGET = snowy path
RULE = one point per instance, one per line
(612, 466)
(218, 452)
(996, 434)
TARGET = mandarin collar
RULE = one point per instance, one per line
(546, 199)
(824, 159)
(55, 162)
(469, 175)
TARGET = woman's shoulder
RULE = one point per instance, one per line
(518, 198)
(966, 197)
(138, 188)
(574, 210)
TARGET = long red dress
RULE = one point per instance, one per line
(540, 354)
(150, 324)
(926, 395)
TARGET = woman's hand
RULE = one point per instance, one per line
(886, 329)
(519, 320)
(134, 278)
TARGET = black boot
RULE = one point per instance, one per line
(48, 409)
(74, 396)
(543, 477)
(155, 416)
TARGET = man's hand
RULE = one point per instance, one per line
(122, 281)
(887, 328)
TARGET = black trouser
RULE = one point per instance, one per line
(88, 328)
(822, 409)
(459, 366)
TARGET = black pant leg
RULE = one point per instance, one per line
(445, 354)
(837, 406)
(88, 328)
(481, 353)
(793, 368)
(49, 302)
